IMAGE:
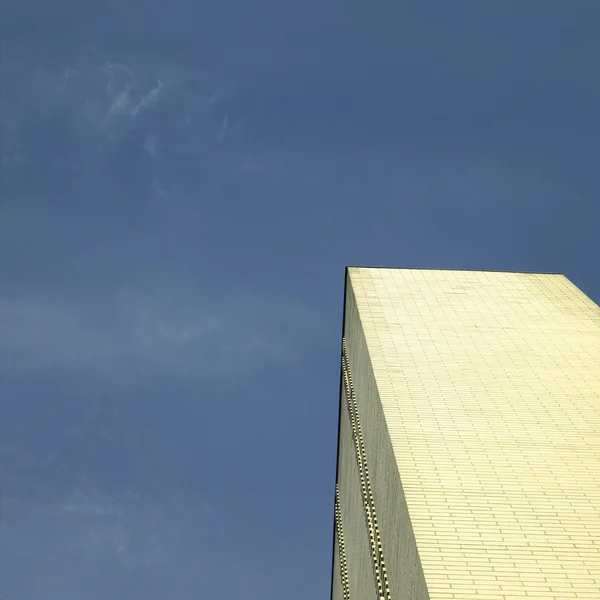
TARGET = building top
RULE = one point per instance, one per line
(450, 269)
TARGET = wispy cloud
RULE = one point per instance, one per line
(70, 122)
(126, 95)
(183, 335)
(83, 537)
(109, 99)
(151, 144)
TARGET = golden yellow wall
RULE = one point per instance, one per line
(478, 395)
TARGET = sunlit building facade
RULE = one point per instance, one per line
(469, 438)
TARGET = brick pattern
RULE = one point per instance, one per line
(490, 388)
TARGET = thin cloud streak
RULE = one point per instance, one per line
(147, 330)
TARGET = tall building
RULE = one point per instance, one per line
(469, 438)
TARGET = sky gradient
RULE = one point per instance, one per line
(181, 187)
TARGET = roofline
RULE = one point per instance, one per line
(451, 269)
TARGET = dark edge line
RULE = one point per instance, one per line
(337, 459)
(452, 269)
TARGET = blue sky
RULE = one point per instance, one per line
(182, 185)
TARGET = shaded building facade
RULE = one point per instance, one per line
(469, 437)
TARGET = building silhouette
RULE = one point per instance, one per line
(469, 438)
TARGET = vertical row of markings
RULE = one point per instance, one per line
(341, 546)
(379, 568)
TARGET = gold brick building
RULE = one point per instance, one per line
(469, 438)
